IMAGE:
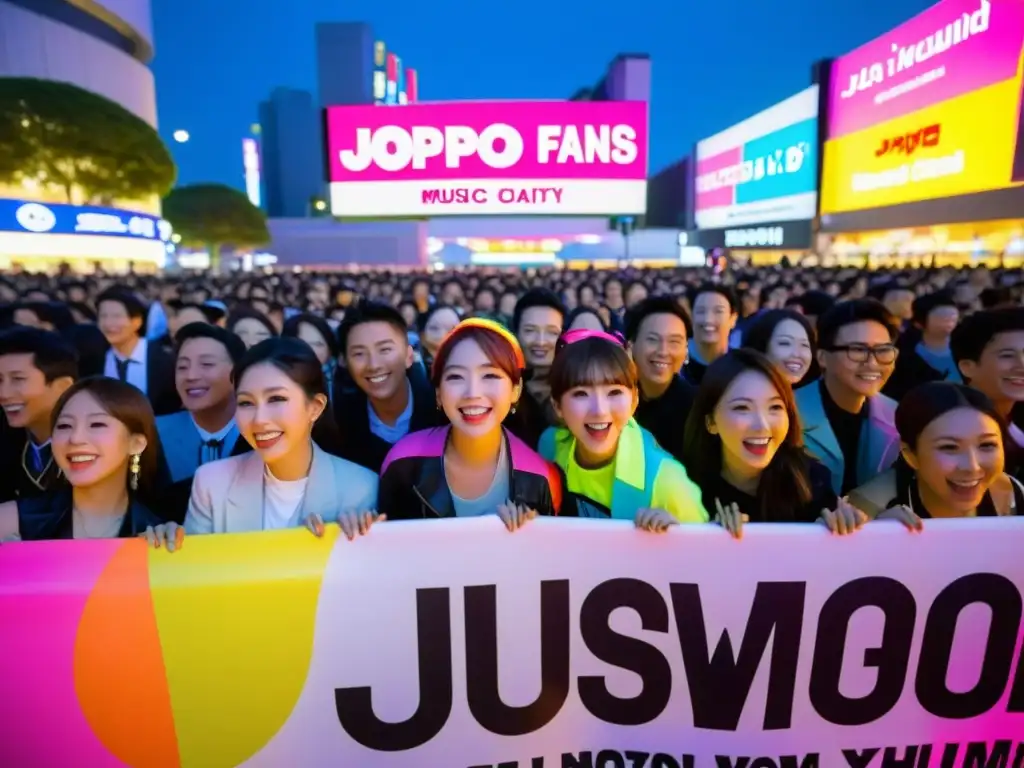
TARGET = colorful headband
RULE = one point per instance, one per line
(487, 325)
(571, 337)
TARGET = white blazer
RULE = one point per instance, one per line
(227, 495)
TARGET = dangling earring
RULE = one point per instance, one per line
(133, 471)
(513, 408)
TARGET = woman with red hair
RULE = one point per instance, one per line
(473, 466)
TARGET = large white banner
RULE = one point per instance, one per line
(569, 644)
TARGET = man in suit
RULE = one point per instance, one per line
(848, 424)
(36, 368)
(205, 431)
(392, 398)
(131, 358)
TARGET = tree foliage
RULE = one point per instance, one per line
(214, 215)
(64, 136)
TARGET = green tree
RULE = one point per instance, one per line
(215, 215)
(69, 138)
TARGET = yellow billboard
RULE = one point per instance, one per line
(956, 147)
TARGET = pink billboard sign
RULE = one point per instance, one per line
(528, 157)
(720, 196)
(953, 48)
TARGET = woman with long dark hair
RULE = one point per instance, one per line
(951, 462)
(104, 441)
(288, 479)
(743, 447)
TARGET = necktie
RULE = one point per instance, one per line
(38, 458)
(210, 451)
(122, 368)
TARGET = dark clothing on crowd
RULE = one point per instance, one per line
(44, 518)
(27, 470)
(912, 369)
(847, 428)
(693, 372)
(91, 346)
(531, 418)
(665, 416)
(822, 497)
(351, 410)
(413, 485)
(160, 387)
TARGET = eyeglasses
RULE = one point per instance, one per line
(885, 354)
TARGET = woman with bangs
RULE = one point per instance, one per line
(614, 468)
(743, 446)
(474, 466)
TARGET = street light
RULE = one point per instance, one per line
(181, 136)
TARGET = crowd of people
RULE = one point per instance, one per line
(174, 406)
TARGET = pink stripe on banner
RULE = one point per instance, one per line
(590, 128)
(41, 722)
(893, 84)
(726, 195)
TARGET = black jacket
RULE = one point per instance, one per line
(15, 481)
(359, 444)
(44, 518)
(413, 484)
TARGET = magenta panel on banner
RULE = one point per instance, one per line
(953, 48)
(510, 157)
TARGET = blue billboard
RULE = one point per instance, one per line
(28, 216)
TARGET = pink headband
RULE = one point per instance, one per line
(571, 337)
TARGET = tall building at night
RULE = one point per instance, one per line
(292, 163)
(628, 78)
(354, 67)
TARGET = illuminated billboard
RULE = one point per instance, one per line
(506, 158)
(763, 170)
(929, 110)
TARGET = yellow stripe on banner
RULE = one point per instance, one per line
(974, 153)
(236, 616)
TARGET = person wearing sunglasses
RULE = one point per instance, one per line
(848, 423)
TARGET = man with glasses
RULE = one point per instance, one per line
(847, 422)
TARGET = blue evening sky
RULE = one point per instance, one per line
(714, 63)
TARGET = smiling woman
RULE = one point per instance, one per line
(105, 443)
(744, 448)
(475, 466)
(288, 480)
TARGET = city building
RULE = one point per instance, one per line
(627, 78)
(104, 46)
(292, 163)
(353, 68)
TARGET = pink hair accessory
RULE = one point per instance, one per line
(571, 337)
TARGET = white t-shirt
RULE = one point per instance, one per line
(282, 501)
